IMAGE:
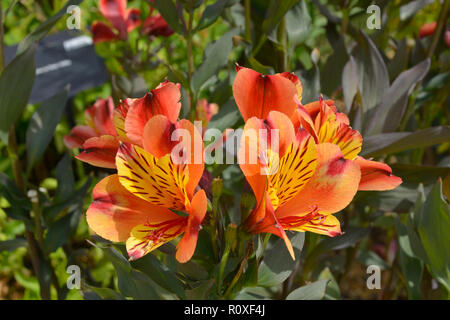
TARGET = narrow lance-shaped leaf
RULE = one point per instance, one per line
(312, 291)
(169, 12)
(217, 57)
(42, 126)
(16, 82)
(211, 14)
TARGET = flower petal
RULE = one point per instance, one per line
(100, 151)
(332, 187)
(78, 135)
(147, 237)
(256, 94)
(114, 211)
(376, 176)
(133, 19)
(326, 224)
(115, 12)
(180, 139)
(158, 181)
(187, 244)
(165, 100)
(102, 32)
(100, 116)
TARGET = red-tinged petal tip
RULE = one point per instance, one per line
(100, 151)
(376, 176)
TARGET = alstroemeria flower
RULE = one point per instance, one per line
(123, 21)
(107, 127)
(155, 25)
(136, 205)
(301, 186)
(326, 125)
(98, 138)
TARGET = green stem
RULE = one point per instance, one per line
(223, 264)
(248, 21)
(190, 58)
(248, 253)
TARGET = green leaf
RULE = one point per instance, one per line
(350, 238)
(278, 264)
(311, 84)
(211, 14)
(170, 14)
(412, 267)
(45, 27)
(385, 143)
(371, 72)
(11, 192)
(433, 226)
(332, 291)
(13, 244)
(58, 233)
(415, 173)
(16, 82)
(335, 65)
(298, 24)
(275, 12)
(160, 274)
(42, 127)
(368, 258)
(217, 57)
(132, 283)
(408, 10)
(227, 116)
(201, 291)
(312, 291)
(350, 86)
(389, 113)
(66, 180)
(101, 293)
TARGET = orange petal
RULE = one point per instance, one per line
(180, 139)
(100, 151)
(165, 100)
(268, 224)
(100, 116)
(158, 181)
(120, 114)
(256, 94)
(376, 176)
(332, 187)
(296, 81)
(187, 244)
(78, 135)
(114, 211)
(313, 108)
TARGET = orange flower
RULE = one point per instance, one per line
(98, 137)
(138, 204)
(299, 187)
(106, 127)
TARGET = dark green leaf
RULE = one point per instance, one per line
(386, 143)
(42, 126)
(11, 245)
(332, 291)
(218, 53)
(275, 12)
(66, 180)
(11, 192)
(58, 233)
(211, 14)
(312, 291)
(311, 84)
(412, 267)
(160, 274)
(408, 10)
(389, 113)
(350, 238)
(418, 173)
(433, 226)
(278, 264)
(170, 14)
(227, 116)
(102, 293)
(16, 82)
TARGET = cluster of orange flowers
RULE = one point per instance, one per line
(314, 172)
